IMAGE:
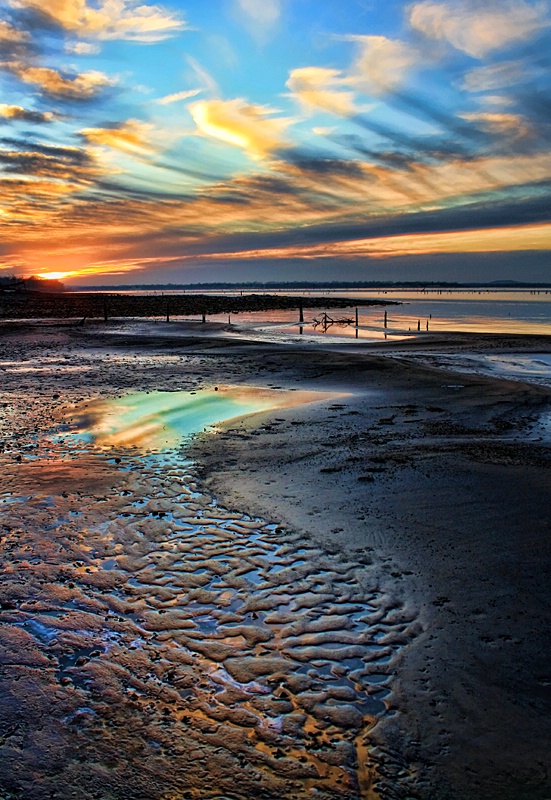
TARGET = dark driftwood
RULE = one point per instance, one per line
(325, 321)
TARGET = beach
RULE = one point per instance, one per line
(344, 594)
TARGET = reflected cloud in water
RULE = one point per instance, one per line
(161, 420)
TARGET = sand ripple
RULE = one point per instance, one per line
(155, 645)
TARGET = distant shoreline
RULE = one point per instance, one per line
(93, 305)
(300, 286)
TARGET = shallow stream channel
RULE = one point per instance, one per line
(155, 645)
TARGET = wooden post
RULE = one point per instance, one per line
(418, 324)
(427, 324)
(167, 311)
(300, 311)
(386, 319)
(203, 317)
(356, 318)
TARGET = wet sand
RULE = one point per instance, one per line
(344, 599)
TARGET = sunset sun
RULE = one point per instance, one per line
(54, 276)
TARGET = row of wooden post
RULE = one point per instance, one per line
(106, 313)
(300, 318)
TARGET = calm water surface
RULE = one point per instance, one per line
(463, 310)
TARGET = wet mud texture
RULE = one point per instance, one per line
(155, 645)
(152, 640)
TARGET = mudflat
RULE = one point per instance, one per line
(345, 598)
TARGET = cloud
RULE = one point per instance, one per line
(65, 165)
(478, 29)
(202, 77)
(308, 202)
(75, 154)
(259, 17)
(511, 125)
(107, 19)
(129, 137)
(10, 35)
(80, 86)
(497, 100)
(20, 113)
(382, 64)
(174, 98)
(241, 124)
(495, 76)
(15, 43)
(320, 88)
(486, 240)
(82, 48)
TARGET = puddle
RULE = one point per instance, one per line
(162, 420)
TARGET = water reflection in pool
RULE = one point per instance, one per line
(160, 420)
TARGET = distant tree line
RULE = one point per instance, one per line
(11, 283)
(313, 285)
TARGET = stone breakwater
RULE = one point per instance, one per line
(42, 305)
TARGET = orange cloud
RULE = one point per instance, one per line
(29, 204)
(380, 66)
(511, 125)
(320, 88)
(241, 124)
(128, 136)
(521, 238)
(490, 240)
(20, 113)
(109, 19)
(11, 35)
(81, 86)
(104, 228)
(174, 98)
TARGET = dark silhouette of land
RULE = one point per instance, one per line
(91, 305)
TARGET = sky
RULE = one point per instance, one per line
(260, 140)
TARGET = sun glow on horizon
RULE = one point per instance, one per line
(54, 276)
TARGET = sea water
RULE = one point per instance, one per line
(471, 311)
(452, 309)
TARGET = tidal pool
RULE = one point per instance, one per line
(161, 420)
